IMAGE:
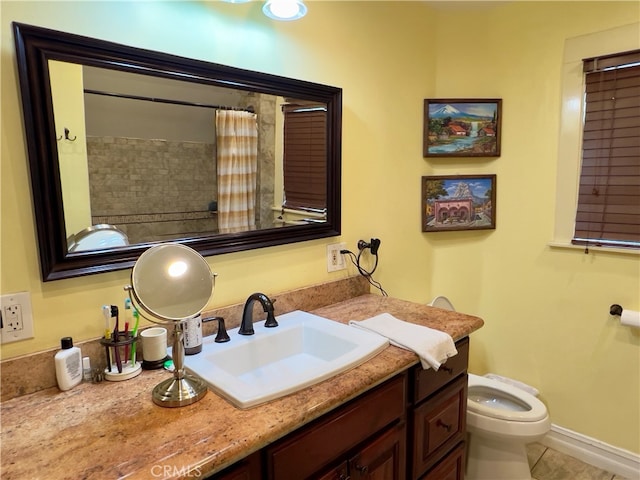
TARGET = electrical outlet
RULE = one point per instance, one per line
(335, 259)
(17, 320)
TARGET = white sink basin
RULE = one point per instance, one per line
(303, 350)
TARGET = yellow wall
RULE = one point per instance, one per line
(68, 103)
(546, 311)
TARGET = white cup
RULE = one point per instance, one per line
(154, 344)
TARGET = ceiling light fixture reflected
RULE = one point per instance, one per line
(286, 10)
(177, 269)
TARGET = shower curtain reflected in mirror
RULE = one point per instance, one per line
(237, 163)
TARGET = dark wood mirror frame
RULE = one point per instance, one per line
(35, 46)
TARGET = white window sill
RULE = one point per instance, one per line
(593, 248)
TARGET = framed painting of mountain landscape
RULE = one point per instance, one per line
(458, 202)
(462, 127)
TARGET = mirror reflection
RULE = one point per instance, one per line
(149, 159)
(130, 147)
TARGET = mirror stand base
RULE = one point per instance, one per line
(179, 392)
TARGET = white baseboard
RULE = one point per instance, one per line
(594, 452)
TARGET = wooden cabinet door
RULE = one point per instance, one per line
(341, 472)
(328, 440)
(382, 459)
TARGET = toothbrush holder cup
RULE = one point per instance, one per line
(118, 351)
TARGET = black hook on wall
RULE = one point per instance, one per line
(66, 136)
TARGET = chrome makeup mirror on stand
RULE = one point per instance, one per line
(171, 283)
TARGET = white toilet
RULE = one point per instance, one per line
(97, 237)
(501, 420)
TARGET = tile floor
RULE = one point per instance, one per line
(548, 464)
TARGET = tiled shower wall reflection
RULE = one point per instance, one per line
(157, 190)
(152, 189)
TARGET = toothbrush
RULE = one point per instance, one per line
(126, 347)
(127, 308)
(106, 313)
(114, 313)
(134, 334)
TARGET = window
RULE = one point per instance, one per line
(608, 210)
(305, 157)
(624, 38)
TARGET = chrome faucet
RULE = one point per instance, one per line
(246, 327)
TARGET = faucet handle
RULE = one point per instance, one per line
(222, 335)
(271, 319)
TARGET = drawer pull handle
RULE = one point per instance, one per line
(363, 469)
(446, 426)
(449, 370)
(344, 476)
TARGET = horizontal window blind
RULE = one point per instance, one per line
(305, 157)
(608, 212)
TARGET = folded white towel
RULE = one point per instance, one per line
(432, 346)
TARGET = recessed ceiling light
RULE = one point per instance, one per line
(284, 9)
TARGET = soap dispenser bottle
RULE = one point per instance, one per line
(68, 363)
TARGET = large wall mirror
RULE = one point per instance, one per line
(130, 147)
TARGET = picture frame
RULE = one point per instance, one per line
(469, 127)
(458, 202)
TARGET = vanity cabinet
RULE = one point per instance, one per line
(437, 418)
(413, 426)
(365, 436)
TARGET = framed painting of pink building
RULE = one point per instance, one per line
(458, 202)
(462, 127)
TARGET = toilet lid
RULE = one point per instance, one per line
(442, 302)
(496, 399)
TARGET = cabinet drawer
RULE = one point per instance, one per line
(426, 382)
(451, 468)
(439, 424)
(315, 446)
(382, 458)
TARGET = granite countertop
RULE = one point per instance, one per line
(114, 430)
